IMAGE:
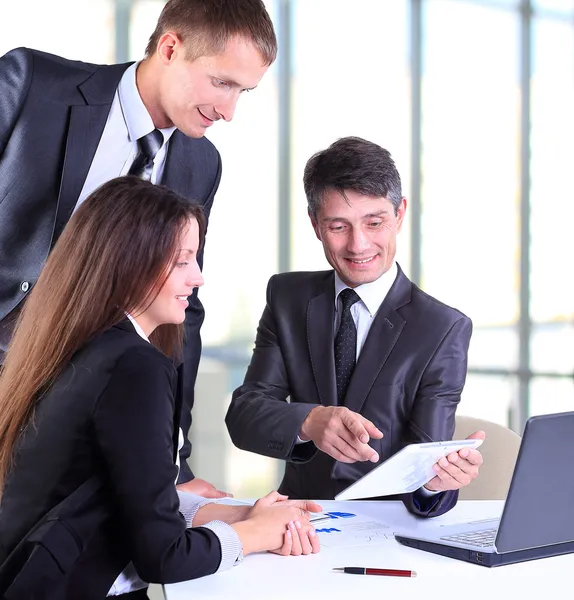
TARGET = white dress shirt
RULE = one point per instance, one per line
(372, 296)
(128, 120)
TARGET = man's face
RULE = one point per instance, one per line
(192, 95)
(359, 236)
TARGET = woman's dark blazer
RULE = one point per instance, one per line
(111, 416)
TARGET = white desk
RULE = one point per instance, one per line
(268, 576)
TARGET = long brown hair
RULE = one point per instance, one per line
(112, 258)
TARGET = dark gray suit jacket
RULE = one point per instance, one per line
(408, 380)
(52, 115)
(113, 413)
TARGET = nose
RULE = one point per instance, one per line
(358, 241)
(194, 277)
(226, 109)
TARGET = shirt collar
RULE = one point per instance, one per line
(138, 329)
(137, 118)
(372, 294)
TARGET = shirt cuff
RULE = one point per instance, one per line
(425, 493)
(189, 504)
(300, 441)
(231, 547)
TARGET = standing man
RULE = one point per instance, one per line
(66, 127)
(361, 352)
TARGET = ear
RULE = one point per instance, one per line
(401, 210)
(169, 46)
(315, 225)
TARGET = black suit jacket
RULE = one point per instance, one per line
(407, 381)
(52, 114)
(112, 413)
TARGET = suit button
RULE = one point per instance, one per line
(25, 286)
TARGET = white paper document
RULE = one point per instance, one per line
(405, 471)
(350, 529)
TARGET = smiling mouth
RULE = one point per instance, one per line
(362, 261)
(205, 117)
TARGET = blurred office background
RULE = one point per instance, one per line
(475, 100)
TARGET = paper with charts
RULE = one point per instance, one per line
(350, 529)
(404, 472)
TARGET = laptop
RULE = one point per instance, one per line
(538, 516)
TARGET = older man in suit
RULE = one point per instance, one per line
(368, 362)
(67, 127)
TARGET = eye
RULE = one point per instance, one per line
(220, 83)
(375, 224)
(182, 264)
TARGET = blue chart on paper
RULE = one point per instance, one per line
(335, 515)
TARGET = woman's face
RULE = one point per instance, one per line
(170, 303)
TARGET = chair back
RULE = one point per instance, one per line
(499, 451)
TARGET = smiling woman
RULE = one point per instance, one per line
(184, 275)
(89, 402)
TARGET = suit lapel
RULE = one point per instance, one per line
(86, 126)
(87, 121)
(178, 173)
(320, 318)
(383, 335)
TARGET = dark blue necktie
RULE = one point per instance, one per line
(345, 344)
(148, 147)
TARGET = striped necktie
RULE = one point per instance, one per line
(148, 147)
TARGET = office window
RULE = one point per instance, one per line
(143, 15)
(551, 395)
(86, 33)
(561, 8)
(470, 176)
(552, 287)
(489, 398)
(350, 77)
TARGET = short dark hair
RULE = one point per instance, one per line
(205, 26)
(352, 164)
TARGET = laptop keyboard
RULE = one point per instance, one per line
(482, 538)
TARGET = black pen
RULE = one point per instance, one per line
(368, 571)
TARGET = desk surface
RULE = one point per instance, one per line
(265, 576)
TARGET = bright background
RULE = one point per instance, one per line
(474, 99)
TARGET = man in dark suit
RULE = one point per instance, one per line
(362, 354)
(67, 127)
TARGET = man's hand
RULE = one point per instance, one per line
(341, 433)
(200, 487)
(457, 469)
